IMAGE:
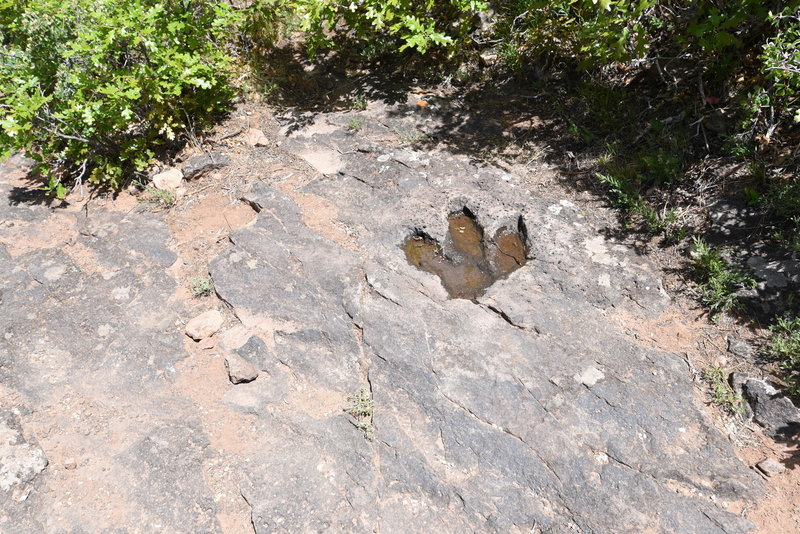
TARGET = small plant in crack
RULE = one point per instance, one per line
(202, 286)
(360, 406)
(722, 394)
(355, 124)
(410, 137)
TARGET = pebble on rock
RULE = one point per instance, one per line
(239, 369)
(205, 325)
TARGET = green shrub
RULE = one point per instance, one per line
(781, 61)
(624, 196)
(785, 345)
(584, 33)
(418, 25)
(91, 88)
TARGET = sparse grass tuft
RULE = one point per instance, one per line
(359, 102)
(624, 197)
(202, 286)
(410, 136)
(720, 279)
(722, 394)
(354, 124)
(157, 197)
(360, 406)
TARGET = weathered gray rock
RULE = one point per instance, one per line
(197, 166)
(257, 353)
(21, 460)
(771, 467)
(772, 409)
(170, 179)
(88, 359)
(205, 325)
(521, 409)
(525, 409)
(239, 369)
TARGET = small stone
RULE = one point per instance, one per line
(771, 467)
(168, 180)
(70, 463)
(21, 494)
(239, 369)
(255, 137)
(739, 348)
(20, 460)
(489, 59)
(199, 165)
(204, 325)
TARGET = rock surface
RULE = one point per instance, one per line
(205, 325)
(199, 165)
(88, 359)
(519, 410)
(21, 459)
(524, 410)
(772, 409)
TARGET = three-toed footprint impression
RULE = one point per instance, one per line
(468, 262)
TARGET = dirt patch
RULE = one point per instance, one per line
(779, 510)
(59, 230)
(200, 226)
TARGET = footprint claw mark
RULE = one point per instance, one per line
(469, 263)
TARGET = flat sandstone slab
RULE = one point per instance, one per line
(521, 410)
